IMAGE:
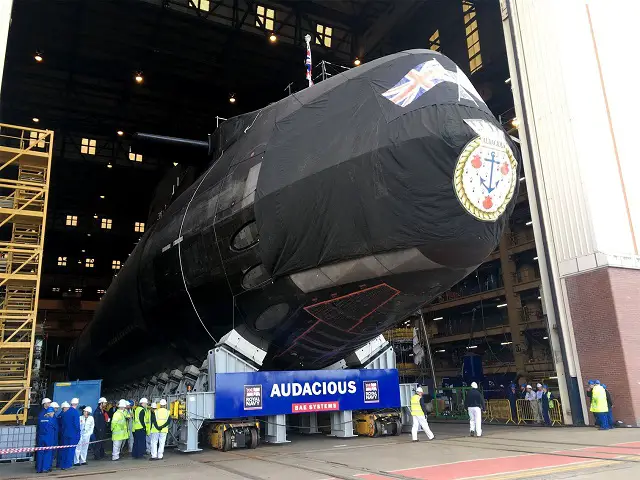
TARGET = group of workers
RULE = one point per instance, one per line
(601, 404)
(540, 402)
(144, 427)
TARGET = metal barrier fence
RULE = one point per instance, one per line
(526, 412)
(498, 410)
(555, 412)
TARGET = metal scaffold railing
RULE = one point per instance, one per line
(25, 165)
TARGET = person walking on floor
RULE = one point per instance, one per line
(599, 406)
(119, 429)
(474, 402)
(101, 427)
(45, 437)
(139, 429)
(87, 424)
(419, 414)
(159, 429)
(610, 405)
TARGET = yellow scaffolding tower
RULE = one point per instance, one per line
(25, 166)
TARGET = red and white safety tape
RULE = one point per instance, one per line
(5, 451)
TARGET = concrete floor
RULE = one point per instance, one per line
(502, 453)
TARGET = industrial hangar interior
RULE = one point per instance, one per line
(97, 73)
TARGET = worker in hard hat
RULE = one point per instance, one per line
(119, 429)
(151, 414)
(419, 414)
(74, 406)
(139, 429)
(610, 405)
(474, 401)
(129, 413)
(60, 453)
(70, 434)
(87, 424)
(46, 403)
(56, 408)
(45, 437)
(599, 406)
(159, 429)
(101, 428)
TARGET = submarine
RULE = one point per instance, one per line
(319, 222)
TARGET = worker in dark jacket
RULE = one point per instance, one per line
(545, 401)
(512, 395)
(101, 428)
(475, 404)
(610, 404)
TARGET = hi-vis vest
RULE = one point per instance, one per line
(599, 400)
(147, 420)
(119, 427)
(416, 408)
(162, 416)
(136, 418)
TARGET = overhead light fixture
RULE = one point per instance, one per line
(522, 179)
(472, 347)
(440, 351)
(545, 338)
(438, 318)
(83, 250)
(515, 123)
(502, 305)
(95, 215)
(138, 78)
(102, 197)
(120, 133)
(38, 57)
(357, 62)
(539, 297)
(530, 222)
(88, 234)
(535, 258)
(508, 81)
(35, 119)
(109, 165)
(175, 164)
(506, 343)
(273, 38)
(232, 98)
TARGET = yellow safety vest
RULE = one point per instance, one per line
(147, 420)
(162, 415)
(416, 408)
(119, 427)
(136, 418)
(599, 400)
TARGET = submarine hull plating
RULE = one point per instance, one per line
(325, 219)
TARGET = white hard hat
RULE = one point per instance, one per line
(87, 409)
(102, 400)
(474, 385)
(163, 403)
(153, 405)
(528, 386)
(123, 404)
(65, 405)
(539, 385)
(75, 401)
(419, 390)
(143, 400)
(55, 405)
(46, 400)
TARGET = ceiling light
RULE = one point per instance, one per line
(175, 164)
(102, 197)
(471, 347)
(506, 343)
(357, 62)
(502, 305)
(545, 338)
(83, 250)
(232, 98)
(35, 119)
(539, 298)
(440, 351)
(508, 81)
(530, 222)
(438, 318)
(120, 133)
(79, 261)
(522, 179)
(88, 234)
(515, 123)
(138, 78)
(95, 215)
(273, 38)
(109, 165)
(38, 57)
(535, 258)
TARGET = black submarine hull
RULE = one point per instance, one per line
(325, 219)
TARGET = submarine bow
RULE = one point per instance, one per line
(323, 220)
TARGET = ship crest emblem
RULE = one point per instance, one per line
(486, 173)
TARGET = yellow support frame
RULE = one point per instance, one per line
(24, 200)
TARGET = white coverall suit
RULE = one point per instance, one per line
(86, 430)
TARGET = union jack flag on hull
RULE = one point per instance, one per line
(418, 81)
(307, 62)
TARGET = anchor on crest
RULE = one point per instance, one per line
(491, 186)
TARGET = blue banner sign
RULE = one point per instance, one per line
(304, 391)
